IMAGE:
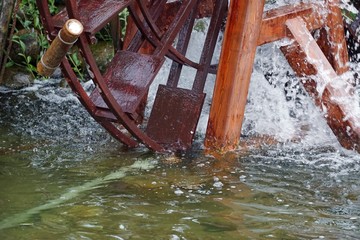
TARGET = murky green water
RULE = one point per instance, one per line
(55, 184)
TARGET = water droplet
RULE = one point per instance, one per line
(178, 192)
(218, 184)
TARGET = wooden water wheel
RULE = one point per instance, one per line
(156, 30)
(161, 29)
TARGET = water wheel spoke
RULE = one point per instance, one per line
(78, 89)
(128, 77)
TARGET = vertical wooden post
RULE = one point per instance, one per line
(6, 10)
(234, 73)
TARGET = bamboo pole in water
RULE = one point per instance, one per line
(65, 39)
(234, 73)
(21, 218)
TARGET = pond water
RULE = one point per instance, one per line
(63, 177)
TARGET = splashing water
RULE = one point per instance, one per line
(304, 187)
(277, 107)
(280, 109)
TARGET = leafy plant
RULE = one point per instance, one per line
(26, 59)
(77, 64)
(123, 16)
(29, 19)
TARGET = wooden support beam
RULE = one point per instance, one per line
(332, 95)
(332, 38)
(234, 73)
(273, 25)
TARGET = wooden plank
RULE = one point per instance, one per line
(174, 117)
(234, 73)
(332, 95)
(273, 25)
(332, 38)
(128, 77)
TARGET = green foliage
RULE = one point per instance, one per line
(26, 59)
(31, 15)
(123, 16)
(105, 35)
(200, 26)
(77, 64)
(29, 18)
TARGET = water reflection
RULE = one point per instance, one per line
(254, 194)
(299, 185)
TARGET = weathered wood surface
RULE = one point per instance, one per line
(59, 47)
(174, 117)
(242, 36)
(234, 73)
(273, 24)
(6, 9)
(332, 38)
(334, 96)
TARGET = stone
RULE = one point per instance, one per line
(32, 48)
(16, 77)
(103, 53)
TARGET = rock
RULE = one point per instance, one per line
(32, 48)
(57, 73)
(17, 77)
(103, 52)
